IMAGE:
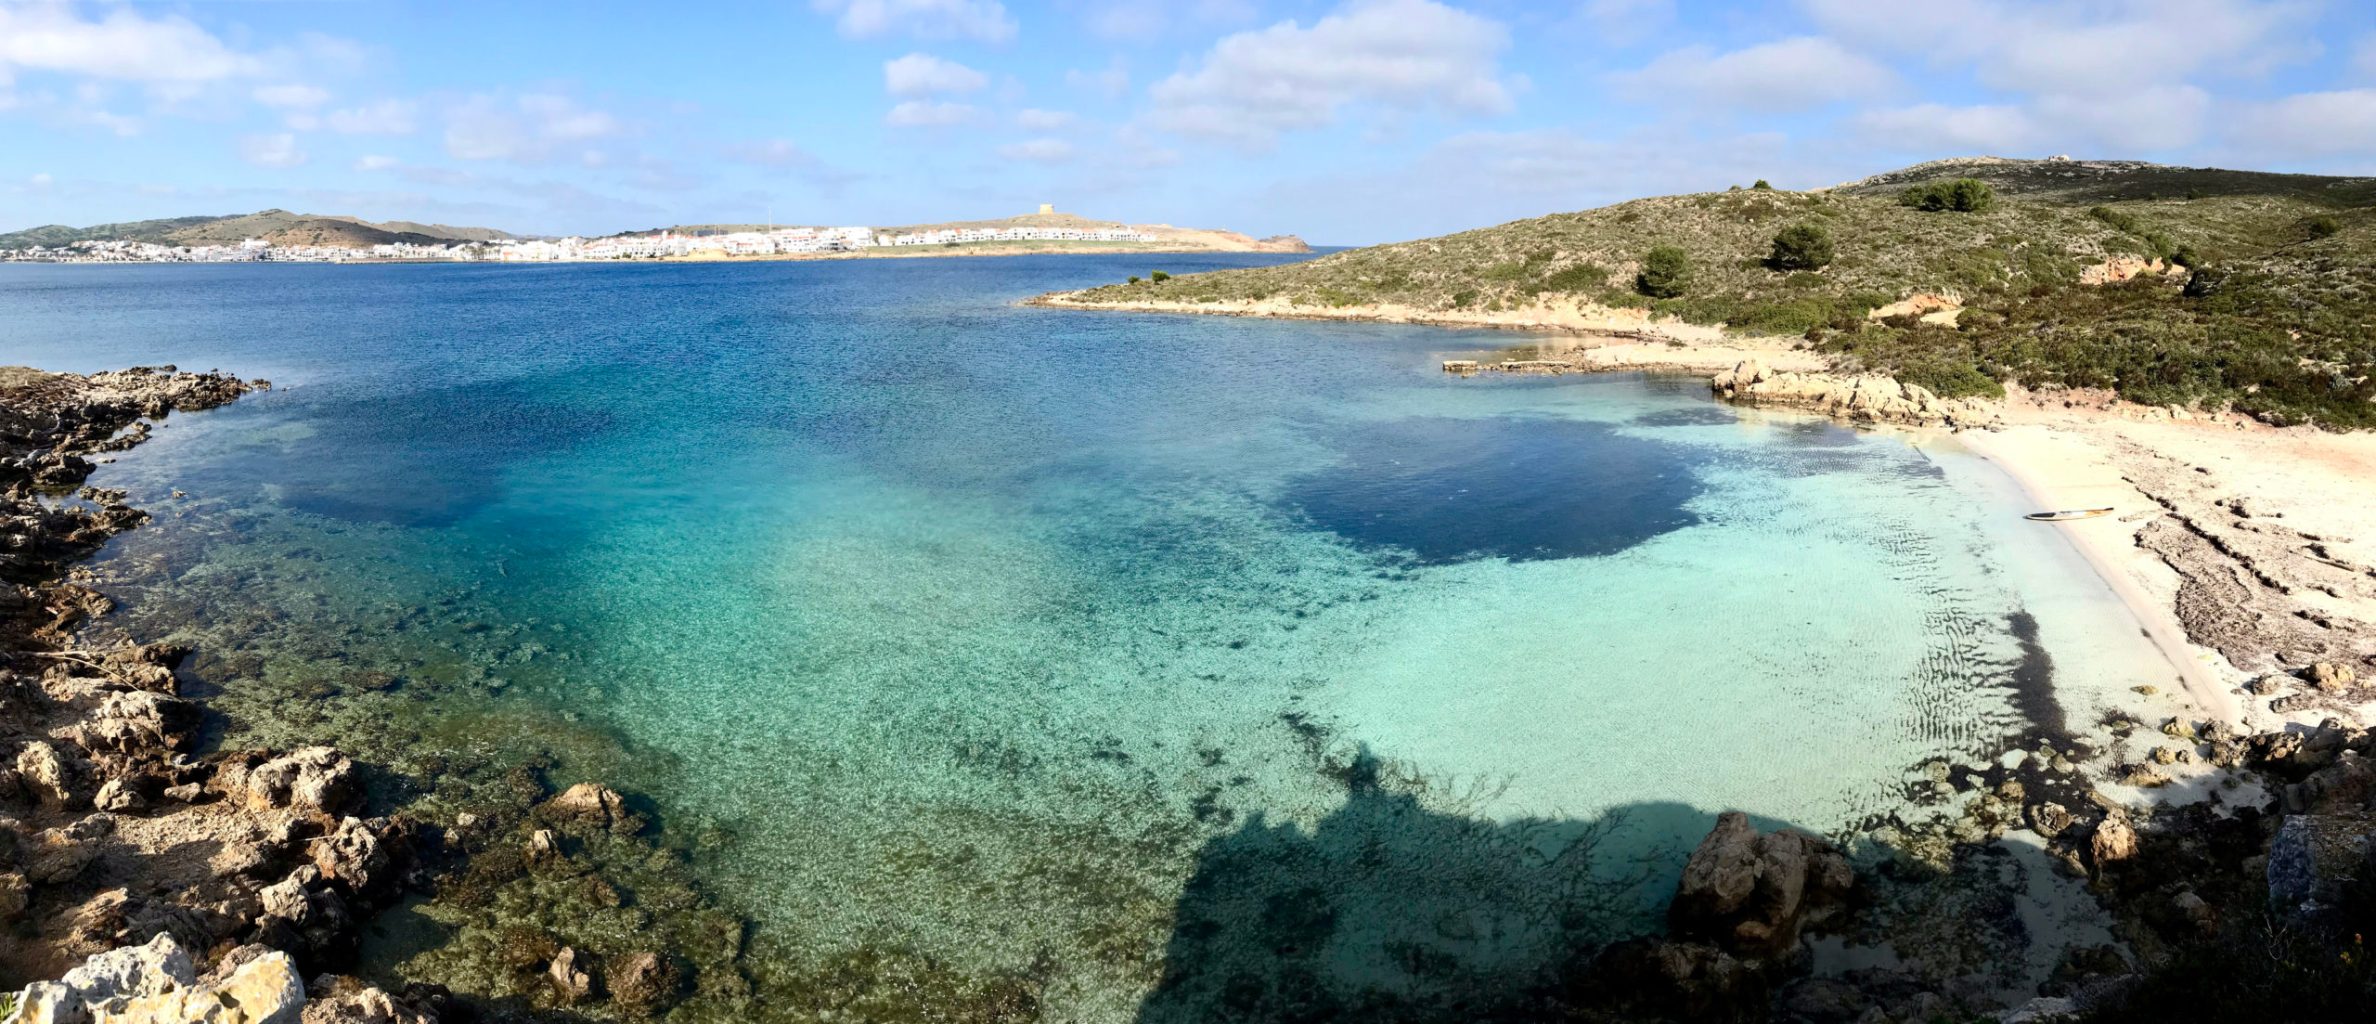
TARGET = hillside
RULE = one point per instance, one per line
(279, 227)
(2172, 286)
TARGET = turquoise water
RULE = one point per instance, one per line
(1129, 652)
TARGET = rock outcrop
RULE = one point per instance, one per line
(156, 983)
(1862, 398)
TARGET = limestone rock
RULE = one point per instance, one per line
(1750, 893)
(2331, 677)
(572, 974)
(646, 981)
(2314, 859)
(2114, 840)
(1866, 398)
(46, 774)
(156, 984)
(593, 805)
(2049, 819)
(315, 779)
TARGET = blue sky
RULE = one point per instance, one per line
(1348, 121)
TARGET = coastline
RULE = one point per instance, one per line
(2244, 551)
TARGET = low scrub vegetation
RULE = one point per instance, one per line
(2274, 317)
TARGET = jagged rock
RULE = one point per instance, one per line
(2345, 784)
(2049, 819)
(592, 805)
(338, 999)
(2143, 777)
(572, 974)
(358, 853)
(2115, 840)
(1678, 981)
(1868, 398)
(138, 721)
(646, 981)
(118, 795)
(1750, 893)
(2331, 677)
(544, 846)
(130, 973)
(315, 779)
(47, 775)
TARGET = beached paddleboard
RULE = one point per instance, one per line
(2067, 514)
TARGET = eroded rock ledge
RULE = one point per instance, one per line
(129, 862)
(1860, 398)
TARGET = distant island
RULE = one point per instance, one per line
(281, 236)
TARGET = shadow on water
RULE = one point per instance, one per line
(1389, 911)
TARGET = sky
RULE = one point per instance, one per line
(1344, 121)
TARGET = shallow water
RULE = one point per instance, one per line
(1110, 649)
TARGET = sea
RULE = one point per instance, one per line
(1166, 663)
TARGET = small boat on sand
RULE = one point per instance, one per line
(2067, 514)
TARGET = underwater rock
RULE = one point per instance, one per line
(595, 806)
(572, 973)
(646, 981)
(1750, 893)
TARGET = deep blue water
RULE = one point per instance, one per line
(1031, 637)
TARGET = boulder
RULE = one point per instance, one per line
(318, 780)
(2331, 677)
(595, 806)
(2115, 840)
(133, 722)
(47, 775)
(1750, 893)
(645, 981)
(2049, 819)
(572, 974)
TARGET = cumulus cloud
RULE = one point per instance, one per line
(1112, 81)
(528, 129)
(124, 44)
(2317, 124)
(1787, 74)
(928, 114)
(1991, 129)
(2043, 47)
(1038, 120)
(1408, 54)
(1045, 151)
(385, 117)
(272, 150)
(922, 74)
(984, 20)
(292, 96)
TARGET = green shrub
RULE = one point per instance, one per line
(1801, 246)
(1134, 279)
(1666, 272)
(1963, 195)
(1762, 186)
(1580, 277)
(2321, 226)
(1158, 276)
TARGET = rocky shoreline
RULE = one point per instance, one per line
(155, 880)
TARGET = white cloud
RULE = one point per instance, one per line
(386, 117)
(1405, 54)
(2317, 124)
(984, 20)
(2077, 49)
(40, 181)
(1045, 151)
(292, 96)
(1787, 74)
(2143, 119)
(1112, 81)
(1143, 20)
(1990, 129)
(928, 114)
(529, 129)
(1627, 21)
(275, 150)
(1038, 120)
(922, 74)
(375, 162)
(122, 45)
